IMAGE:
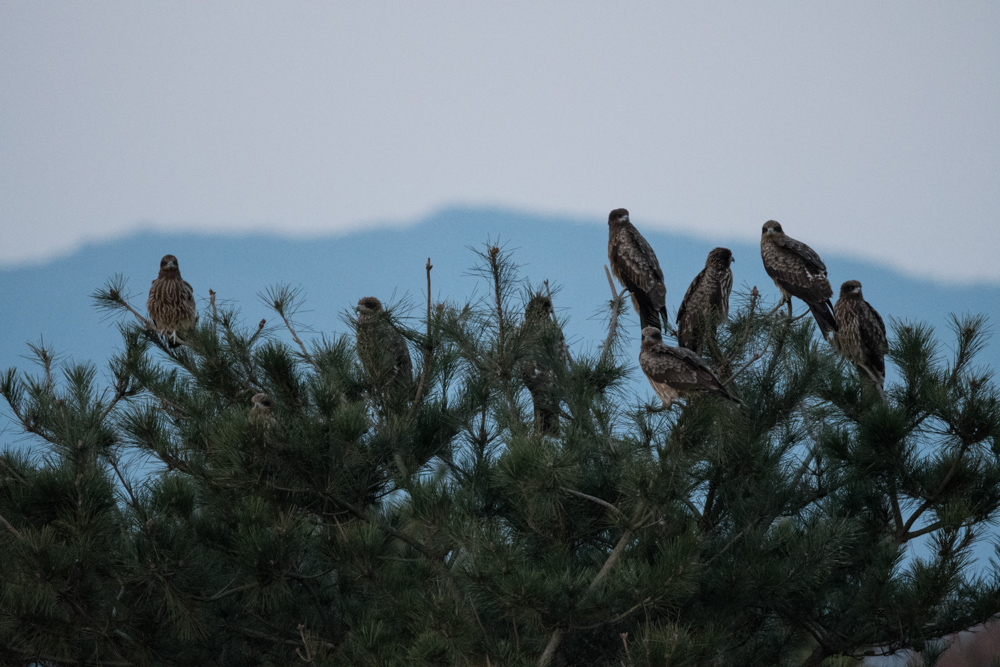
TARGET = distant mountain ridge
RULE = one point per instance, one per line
(53, 300)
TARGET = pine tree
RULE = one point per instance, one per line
(333, 521)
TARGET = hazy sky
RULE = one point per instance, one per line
(866, 128)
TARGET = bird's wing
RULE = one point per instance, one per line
(690, 312)
(719, 297)
(706, 378)
(151, 300)
(663, 364)
(404, 364)
(873, 338)
(808, 256)
(633, 259)
(796, 274)
(187, 296)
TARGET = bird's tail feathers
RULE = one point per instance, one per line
(666, 319)
(822, 311)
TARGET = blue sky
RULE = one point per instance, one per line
(872, 129)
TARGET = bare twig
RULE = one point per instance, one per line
(594, 499)
(726, 548)
(617, 302)
(225, 592)
(429, 267)
(875, 380)
(47, 365)
(260, 327)
(119, 395)
(548, 295)
(804, 468)
(619, 617)
(745, 366)
(125, 485)
(10, 527)
(308, 657)
(215, 312)
(781, 303)
(146, 323)
(694, 510)
(495, 269)
(428, 344)
(295, 337)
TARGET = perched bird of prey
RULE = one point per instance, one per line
(261, 414)
(861, 332)
(634, 263)
(797, 271)
(546, 351)
(676, 371)
(381, 348)
(706, 302)
(171, 302)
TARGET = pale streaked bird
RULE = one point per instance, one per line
(861, 332)
(706, 302)
(261, 414)
(381, 347)
(171, 303)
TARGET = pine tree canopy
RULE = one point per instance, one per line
(306, 508)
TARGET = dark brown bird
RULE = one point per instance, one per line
(634, 263)
(381, 347)
(676, 371)
(171, 303)
(547, 351)
(797, 271)
(706, 302)
(861, 332)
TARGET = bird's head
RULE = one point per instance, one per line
(720, 257)
(772, 227)
(169, 263)
(851, 288)
(368, 304)
(651, 336)
(539, 307)
(618, 215)
(261, 401)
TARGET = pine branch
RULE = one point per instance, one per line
(905, 530)
(113, 460)
(620, 617)
(225, 592)
(594, 499)
(283, 300)
(559, 633)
